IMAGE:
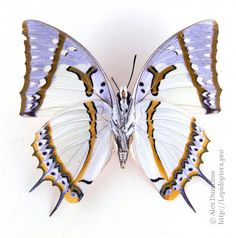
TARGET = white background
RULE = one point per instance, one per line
(120, 203)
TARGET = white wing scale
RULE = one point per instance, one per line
(63, 78)
(69, 148)
(181, 74)
(60, 72)
(182, 71)
(168, 144)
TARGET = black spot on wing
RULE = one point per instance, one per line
(157, 179)
(85, 181)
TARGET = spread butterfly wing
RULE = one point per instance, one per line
(182, 71)
(168, 144)
(70, 148)
(62, 78)
(60, 72)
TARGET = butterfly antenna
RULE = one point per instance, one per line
(186, 199)
(132, 72)
(115, 83)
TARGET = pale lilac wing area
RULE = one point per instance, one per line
(182, 71)
(59, 72)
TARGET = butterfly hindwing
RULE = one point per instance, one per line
(168, 144)
(70, 148)
(182, 71)
(60, 72)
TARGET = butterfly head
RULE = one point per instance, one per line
(124, 99)
(123, 92)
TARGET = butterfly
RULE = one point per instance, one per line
(63, 81)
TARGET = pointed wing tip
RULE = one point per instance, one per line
(214, 22)
(200, 174)
(37, 184)
(33, 188)
(194, 210)
(213, 111)
(58, 203)
(52, 212)
(187, 200)
(27, 114)
(24, 23)
(23, 114)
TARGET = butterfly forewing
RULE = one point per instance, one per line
(182, 71)
(60, 72)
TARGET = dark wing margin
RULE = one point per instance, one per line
(49, 53)
(189, 61)
(69, 150)
(169, 144)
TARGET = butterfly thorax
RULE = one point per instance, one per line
(122, 123)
